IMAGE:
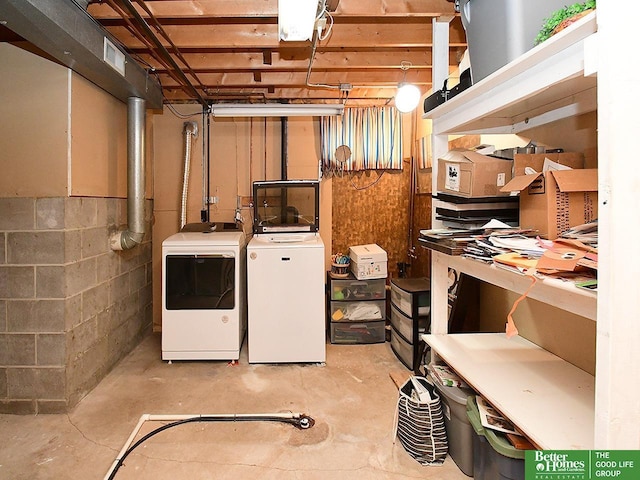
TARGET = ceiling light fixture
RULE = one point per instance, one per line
(408, 95)
(296, 19)
(276, 110)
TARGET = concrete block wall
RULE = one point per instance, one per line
(70, 307)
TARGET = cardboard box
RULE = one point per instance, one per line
(472, 175)
(536, 161)
(368, 261)
(557, 200)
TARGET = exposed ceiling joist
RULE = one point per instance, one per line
(210, 49)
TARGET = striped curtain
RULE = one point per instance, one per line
(423, 152)
(374, 136)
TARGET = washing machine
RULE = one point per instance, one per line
(286, 275)
(204, 308)
(286, 299)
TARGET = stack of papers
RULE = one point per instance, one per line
(445, 376)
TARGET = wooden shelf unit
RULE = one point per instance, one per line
(554, 403)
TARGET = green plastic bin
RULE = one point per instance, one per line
(494, 458)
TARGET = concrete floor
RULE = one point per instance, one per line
(352, 399)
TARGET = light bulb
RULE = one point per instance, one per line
(407, 97)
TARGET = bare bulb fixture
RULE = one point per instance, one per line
(407, 97)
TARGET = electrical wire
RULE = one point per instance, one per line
(173, 110)
(301, 422)
(317, 36)
(356, 187)
(329, 28)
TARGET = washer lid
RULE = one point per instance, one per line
(205, 239)
(286, 206)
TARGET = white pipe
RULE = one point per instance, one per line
(190, 129)
(177, 417)
(127, 444)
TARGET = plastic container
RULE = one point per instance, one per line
(494, 458)
(401, 324)
(405, 291)
(499, 31)
(352, 289)
(459, 430)
(408, 354)
(405, 325)
(339, 270)
(354, 333)
(357, 311)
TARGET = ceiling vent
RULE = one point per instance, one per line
(114, 57)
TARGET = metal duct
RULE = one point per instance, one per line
(136, 182)
(69, 34)
(83, 3)
(190, 130)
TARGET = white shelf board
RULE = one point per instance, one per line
(548, 399)
(544, 84)
(560, 294)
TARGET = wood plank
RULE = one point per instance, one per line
(539, 77)
(269, 8)
(550, 400)
(266, 36)
(357, 97)
(399, 377)
(560, 294)
(345, 59)
(238, 79)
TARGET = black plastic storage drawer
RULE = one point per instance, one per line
(405, 352)
(405, 325)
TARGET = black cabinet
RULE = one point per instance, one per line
(409, 318)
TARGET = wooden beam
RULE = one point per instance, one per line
(351, 60)
(266, 57)
(397, 35)
(269, 8)
(357, 78)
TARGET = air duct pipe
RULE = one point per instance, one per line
(190, 130)
(133, 235)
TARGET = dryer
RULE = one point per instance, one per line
(204, 313)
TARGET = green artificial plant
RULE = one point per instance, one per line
(560, 16)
